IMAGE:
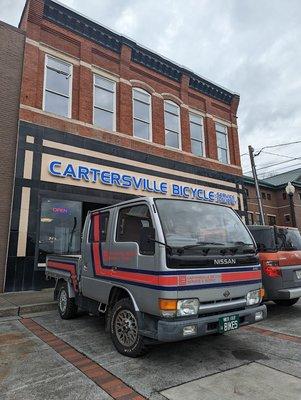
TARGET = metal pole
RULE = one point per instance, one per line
(261, 214)
(291, 197)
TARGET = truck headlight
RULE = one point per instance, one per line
(254, 297)
(187, 307)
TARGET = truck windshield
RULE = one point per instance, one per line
(195, 224)
(288, 239)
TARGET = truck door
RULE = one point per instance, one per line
(96, 256)
(125, 251)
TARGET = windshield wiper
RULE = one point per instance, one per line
(164, 244)
(198, 244)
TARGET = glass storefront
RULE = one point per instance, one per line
(60, 227)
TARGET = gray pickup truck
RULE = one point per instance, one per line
(162, 270)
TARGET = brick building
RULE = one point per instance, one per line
(275, 201)
(12, 42)
(101, 120)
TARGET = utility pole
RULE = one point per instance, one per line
(261, 214)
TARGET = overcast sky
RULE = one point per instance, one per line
(252, 47)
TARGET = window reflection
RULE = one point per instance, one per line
(60, 227)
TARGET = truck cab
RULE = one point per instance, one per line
(162, 270)
(279, 250)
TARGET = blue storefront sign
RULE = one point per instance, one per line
(139, 183)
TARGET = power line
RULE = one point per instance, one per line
(272, 165)
(278, 169)
(276, 145)
(276, 154)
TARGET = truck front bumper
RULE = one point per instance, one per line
(172, 331)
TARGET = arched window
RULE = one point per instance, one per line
(142, 114)
(172, 124)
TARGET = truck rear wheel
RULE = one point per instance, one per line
(66, 305)
(124, 329)
(286, 302)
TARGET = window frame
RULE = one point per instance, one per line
(150, 111)
(191, 112)
(118, 211)
(288, 220)
(48, 56)
(251, 217)
(227, 141)
(179, 125)
(273, 216)
(96, 74)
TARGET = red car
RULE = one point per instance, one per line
(280, 257)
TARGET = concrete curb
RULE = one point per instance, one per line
(9, 311)
(33, 308)
(16, 311)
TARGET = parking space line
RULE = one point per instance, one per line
(108, 382)
(269, 332)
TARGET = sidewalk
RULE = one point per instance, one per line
(19, 303)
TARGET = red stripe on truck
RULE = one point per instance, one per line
(65, 267)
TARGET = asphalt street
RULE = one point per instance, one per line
(245, 364)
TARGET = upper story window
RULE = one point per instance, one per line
(263, 195)
(142, 114)
(172, 124)
(222, 143)
(57, 86)
(196, 134)
(104, 114)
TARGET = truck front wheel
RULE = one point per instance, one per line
(66, 305)
(286, 302)
(124, 329)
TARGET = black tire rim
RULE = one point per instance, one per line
(126, 328)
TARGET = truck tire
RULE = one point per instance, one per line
(286, 302)
(124, 329)
(66, 305)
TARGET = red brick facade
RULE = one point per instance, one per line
(44, 36)
(11, 59)
(275, 204)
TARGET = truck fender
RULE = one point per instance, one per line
(71, 292)
(131, 296)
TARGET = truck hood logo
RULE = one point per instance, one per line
(223, 261)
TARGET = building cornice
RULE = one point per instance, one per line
(65, 17)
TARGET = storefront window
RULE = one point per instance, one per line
(60, 227)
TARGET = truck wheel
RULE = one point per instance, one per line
(66, 305)
(124, 329)
(287, 302)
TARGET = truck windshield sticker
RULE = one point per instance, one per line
(108, 177)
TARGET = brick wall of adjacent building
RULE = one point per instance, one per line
(11, 60)
(275, 203)
(45, 36)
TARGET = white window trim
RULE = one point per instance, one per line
(47, 56)
(114, 100)
(203, 133)
(228, 149)
(179, 126)
(150, 114)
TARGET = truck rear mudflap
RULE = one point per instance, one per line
(176, 330)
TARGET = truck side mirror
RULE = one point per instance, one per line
(147, 240)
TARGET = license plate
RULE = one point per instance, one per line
(229, 323)
(298, 273)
